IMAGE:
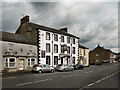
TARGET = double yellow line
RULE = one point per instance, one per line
(6, 77)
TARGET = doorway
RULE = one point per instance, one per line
(21, 64)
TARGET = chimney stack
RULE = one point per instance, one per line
(25, 19)
(63, 29)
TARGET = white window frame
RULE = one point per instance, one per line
(8, 61)
(30, 61)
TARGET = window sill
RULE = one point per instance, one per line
(29, 66)
(10, 67)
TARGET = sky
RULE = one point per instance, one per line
(94, 22)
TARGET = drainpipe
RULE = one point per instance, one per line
(52, 50)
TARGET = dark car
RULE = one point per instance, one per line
(78, 66)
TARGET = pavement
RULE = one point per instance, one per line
(95, 77)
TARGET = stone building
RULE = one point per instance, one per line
(18, 52)
(101, 55)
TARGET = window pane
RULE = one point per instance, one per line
(11, 64)
(56, 60)
(48, 60)
(47, 47)
(12, 60)
(47, 36)
(32, 61)
(6, 65)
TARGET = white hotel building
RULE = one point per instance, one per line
(54, 46)
(57, 47)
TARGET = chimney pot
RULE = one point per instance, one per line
(63, 29)
(25, 19)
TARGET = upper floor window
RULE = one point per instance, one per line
(68, 39)
(47, 36)
(47, 47)
(55, 37)
(80, 51)
(62, 49)
(73, 40)
(30, 48)
(42, 54)
(10, 47)
(68, 49)
(55, 48)
(10, 62)
(73, 50)
(84, 52)
(62, 38)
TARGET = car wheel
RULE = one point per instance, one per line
(64, 70)
(52, 70)
(39, 71)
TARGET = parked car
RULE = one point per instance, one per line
(64, 67)
(42, 68)
(78, 66)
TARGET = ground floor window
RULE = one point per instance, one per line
(55, 60)
(31, 61)
(10, 62)
(85, 61)
(48, 60)
(73, 60)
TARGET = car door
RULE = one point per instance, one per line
(44, 69)
(48, 68)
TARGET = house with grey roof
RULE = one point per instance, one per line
(18, 52)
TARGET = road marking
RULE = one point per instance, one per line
(70, 75)
(7, 77)
(90, 84)
(33, 82)
(99, 80)
(23, 84)
(89, 71)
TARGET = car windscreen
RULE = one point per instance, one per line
(35, 65)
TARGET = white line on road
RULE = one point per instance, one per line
(33, 82)
(70, 75)
(90, 84)
(89, 71)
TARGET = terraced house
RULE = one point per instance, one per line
(18, 52)
(83, 55)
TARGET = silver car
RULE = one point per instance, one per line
(64, 67)
(42, 68)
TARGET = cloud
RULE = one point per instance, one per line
(93, 22)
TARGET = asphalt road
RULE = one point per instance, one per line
(95, 76)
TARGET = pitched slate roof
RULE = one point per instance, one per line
(36, 26)
(80, 46)
(11, 37)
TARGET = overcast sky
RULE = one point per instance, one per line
(93, 22)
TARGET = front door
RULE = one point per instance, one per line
(61, 60)
(21, 65)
